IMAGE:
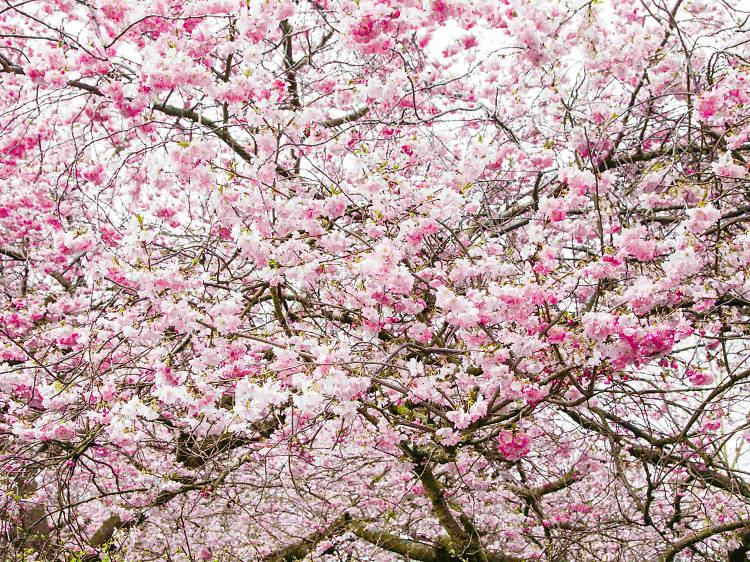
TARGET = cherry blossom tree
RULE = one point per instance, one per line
(440, 280)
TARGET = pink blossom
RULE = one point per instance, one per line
(702, 218)
(599, 325)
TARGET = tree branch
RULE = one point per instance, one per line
(216, 128)
(353, 116)
(688, 541)
(302, 548)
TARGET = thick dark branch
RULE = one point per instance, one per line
(215, 128)
(194, 453)
(300, 549)
(105, 532)
(348, 118)
(712, 477)
(277, 310)
(612, 162)
(12, 254)
(60, 278)
(10, 68)
(565, 481)
(289, 66)
(436, 494)
(170, 110)
(31, 529)
(700, 536)
(411, 549)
